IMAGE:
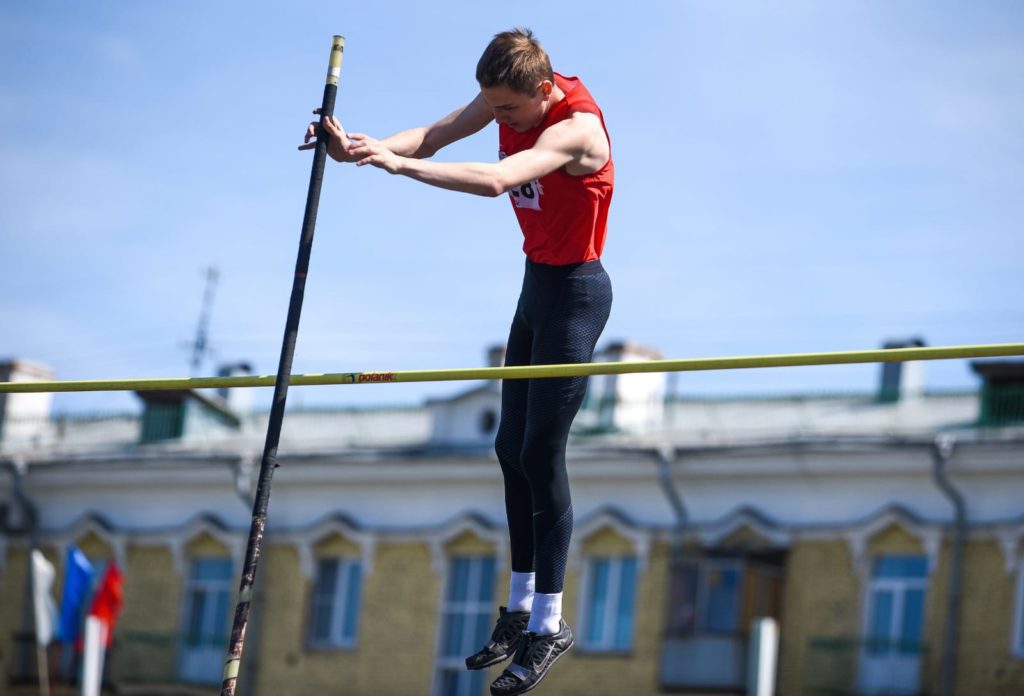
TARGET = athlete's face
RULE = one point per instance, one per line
(518, 111)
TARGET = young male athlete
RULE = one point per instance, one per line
(554, 161)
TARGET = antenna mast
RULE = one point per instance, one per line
(200, 348)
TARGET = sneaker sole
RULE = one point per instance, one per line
(495, 661)
(534, 685)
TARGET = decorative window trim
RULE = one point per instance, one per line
(712, 535)
(859, 538)
(472, 524)
(82, 527)
(194, 529)
(306, 541)
(639, 539)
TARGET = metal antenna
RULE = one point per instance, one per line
(200, 347)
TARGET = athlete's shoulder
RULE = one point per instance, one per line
(577, 97)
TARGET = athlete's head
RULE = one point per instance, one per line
(516, 60)
(516, 79)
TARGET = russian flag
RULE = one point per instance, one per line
(78, 574)
(107, 603)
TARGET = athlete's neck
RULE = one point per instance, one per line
(556, 96)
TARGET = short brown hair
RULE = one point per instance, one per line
(514, 59)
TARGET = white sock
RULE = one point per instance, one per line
(546, 614)
(520, 591)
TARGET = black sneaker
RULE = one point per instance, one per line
(508, 633)
(535, 655)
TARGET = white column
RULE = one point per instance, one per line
(92, 659)
(762, 658)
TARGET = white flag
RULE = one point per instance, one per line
(43, 575)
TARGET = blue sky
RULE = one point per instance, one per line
(791, 177)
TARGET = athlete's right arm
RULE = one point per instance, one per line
(425, 141)
(418, 143)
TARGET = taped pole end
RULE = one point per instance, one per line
(334, 65)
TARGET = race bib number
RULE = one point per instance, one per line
(527, 195)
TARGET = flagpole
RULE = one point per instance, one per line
(269, 461)
(93, 656)
(19, 467)
(41, 576)
(43, 667)
(42, 662)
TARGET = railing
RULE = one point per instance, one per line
(833, 665)
(1002, 405)
(135, 662)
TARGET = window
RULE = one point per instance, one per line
(162, 421)
(209, 590)
(608, 604)
(721, 596)
(208, 595)
(894, 625)
(467, 617)
(713, 601)
(334, 611)
(896, 605)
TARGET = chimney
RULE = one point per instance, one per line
(496, 355)
(495, 358)
(24, 417)
(178, 414)
(628, 402)
(239, 400)
(902, 380)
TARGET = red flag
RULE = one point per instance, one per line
(106, 605)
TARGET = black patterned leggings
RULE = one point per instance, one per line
(561, 313)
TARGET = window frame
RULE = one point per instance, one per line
(467, 608)
(340, 594)
(195, 660)
(746, 566)
(607, 645)
(894, 644)
(720, 565)
(207, 586)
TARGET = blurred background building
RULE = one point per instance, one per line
(882, 531)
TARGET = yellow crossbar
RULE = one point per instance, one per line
(531, 371)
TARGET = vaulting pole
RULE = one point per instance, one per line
(269, 461)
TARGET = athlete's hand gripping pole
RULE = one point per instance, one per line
(269, 461)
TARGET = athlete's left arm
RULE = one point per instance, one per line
(577, 143)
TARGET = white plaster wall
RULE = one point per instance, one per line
(792, 488)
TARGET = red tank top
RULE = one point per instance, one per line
(564, 218)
